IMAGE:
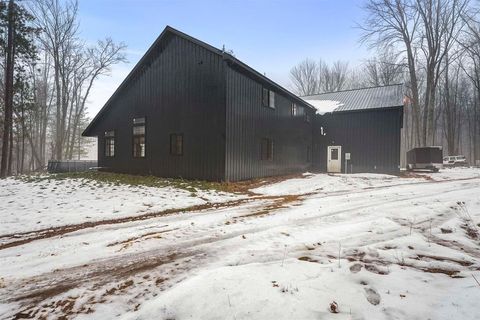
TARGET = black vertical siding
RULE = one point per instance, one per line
(181, 90)
(372, 137)
(248, 121)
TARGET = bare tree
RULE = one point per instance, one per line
(304, 77)
(385, 69)
(471, 47)
(334, 77)
(394, 24)
(9, 64)
(441, 23)
(59, 38)
(75, 68)
(97, 61)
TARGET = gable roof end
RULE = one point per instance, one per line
(151, 51)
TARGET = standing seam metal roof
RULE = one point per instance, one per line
(361, 99)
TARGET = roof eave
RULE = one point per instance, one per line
(269, 81)
(370, 109)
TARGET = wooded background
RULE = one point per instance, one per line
(48, 72)
(433, 46)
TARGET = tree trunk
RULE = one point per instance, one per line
(10, 154)
(10, 60)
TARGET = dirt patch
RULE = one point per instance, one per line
(410, 174)
(452, 244)
(130, 241)
(279, 202)
(438, 258)
(450, 273)
(446, 230)
(43, 294)
(471, 230)
(308, 259)
(119, 288)
(247, 185)
(40, 293)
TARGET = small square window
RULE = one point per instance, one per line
(176, 144)
(267, 149)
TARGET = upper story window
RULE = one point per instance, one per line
(268, 98)
(109, 143)
(176, 144)
(266, 149)
(294, 109)
(139, 137)
(300, 111)
(307, 117)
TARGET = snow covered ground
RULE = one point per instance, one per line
(381, 247)
(45, 203)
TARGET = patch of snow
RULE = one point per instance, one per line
(324, 106)
(304, 290)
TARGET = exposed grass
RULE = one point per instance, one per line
(116, 179)
(101, 178)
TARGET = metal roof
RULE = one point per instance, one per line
(362, 99)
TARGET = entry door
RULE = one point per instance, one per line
(334, 163)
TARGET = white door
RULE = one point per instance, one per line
(334, 159)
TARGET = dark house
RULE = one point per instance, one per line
(363, 131)
(190, 110)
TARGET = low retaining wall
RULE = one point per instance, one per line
(58, 166)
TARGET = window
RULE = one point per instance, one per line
(300, 111)
(272, 100)
(265, 99)
(267, 149)
(268, 98)
(334, 154)
(307, 117)
(109, 143)
(176, 144)
(294, 110)
(139, 137)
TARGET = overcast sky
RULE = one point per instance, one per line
(269, 35)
